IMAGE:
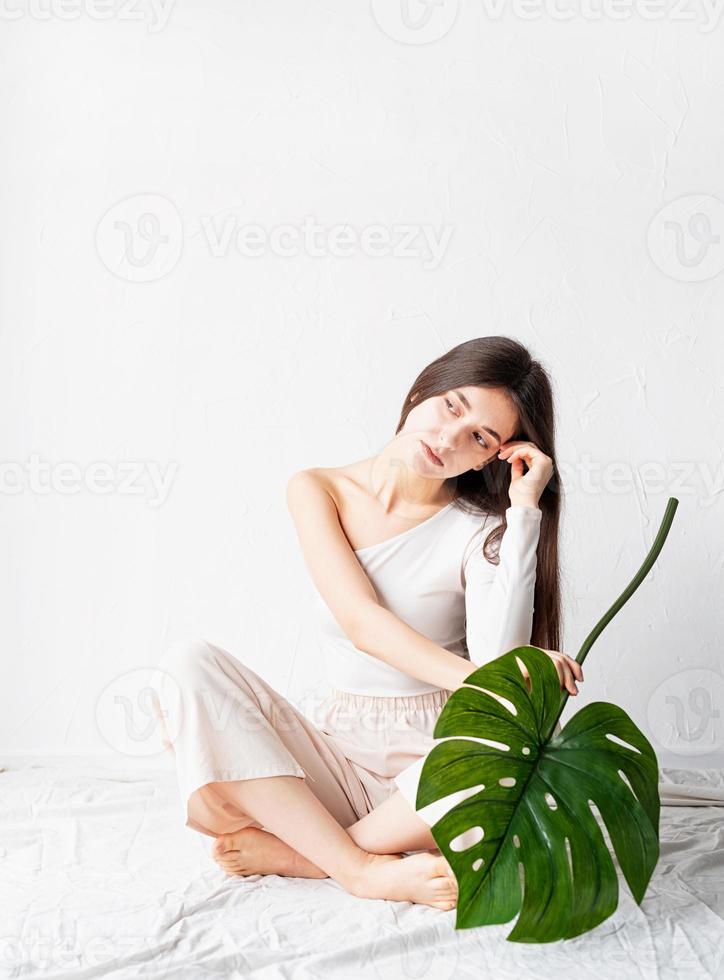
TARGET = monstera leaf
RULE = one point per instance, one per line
(528, 841)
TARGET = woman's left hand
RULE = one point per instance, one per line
(525, 489)
(569, 670)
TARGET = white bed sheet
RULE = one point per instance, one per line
(101, 879)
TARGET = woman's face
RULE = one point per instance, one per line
(464, 428)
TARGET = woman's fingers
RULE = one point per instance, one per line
(565, 676)
(568, 670)
(575, 666)
(569, 680)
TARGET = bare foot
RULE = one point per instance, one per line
(425, 878)
(253, 851)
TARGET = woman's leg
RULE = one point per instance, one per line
(230, 724)
(287, 808)
(391, 828)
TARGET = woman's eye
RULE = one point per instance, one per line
(476, 435)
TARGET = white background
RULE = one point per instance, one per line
(576, 168)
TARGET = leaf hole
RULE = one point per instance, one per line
(507, 781)
(551, 801)
(473, 835)
(504, 701)
(486, 741)
(525, 750)
(625, 778)
(570, 856)
(620, 741)
(601, 825)
(516, 840)
(477, 864)
(526, 676)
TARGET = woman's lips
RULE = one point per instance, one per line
(430, 454)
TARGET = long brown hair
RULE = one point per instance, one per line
(500, 362)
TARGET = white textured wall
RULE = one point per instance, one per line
(561, 182)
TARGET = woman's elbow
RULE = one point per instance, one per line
(359, 625)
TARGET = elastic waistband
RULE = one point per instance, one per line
(430, 699)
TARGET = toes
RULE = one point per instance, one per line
(225, 842)
(445, 890)
(232, 867)
(232, 859)
(443, 868)
(445, 906)
(228, 859)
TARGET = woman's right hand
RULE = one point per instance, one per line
(526, 488)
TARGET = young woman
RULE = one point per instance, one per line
(412, 595)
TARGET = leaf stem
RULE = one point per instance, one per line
(638, 578)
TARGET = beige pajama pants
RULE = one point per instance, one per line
(225, 722)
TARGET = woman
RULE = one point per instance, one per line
(398, 548)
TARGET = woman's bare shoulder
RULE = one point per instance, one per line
(339, 481)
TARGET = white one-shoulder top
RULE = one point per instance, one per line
(435, 578)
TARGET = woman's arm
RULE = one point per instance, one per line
(350, 596)
(499, 598)
(388, 638)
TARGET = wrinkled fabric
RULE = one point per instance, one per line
(101, 879)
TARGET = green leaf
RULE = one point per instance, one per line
(564, 895)
(529, 840)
